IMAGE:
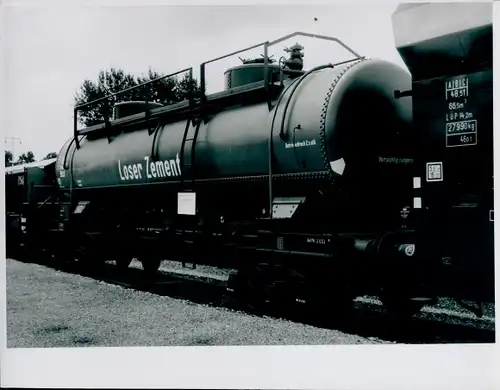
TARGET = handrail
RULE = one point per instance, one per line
(143, 85)
(266, 45)
(316, 36)
(202, 66)
(203, 96)
(234, 53)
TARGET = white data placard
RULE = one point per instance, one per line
(186, 203)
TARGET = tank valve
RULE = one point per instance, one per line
(295, 61)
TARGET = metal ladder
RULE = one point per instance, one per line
(187, 156)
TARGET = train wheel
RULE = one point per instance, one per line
(36, 252)
(331, 301)
(30, 253)
(400, 305)
(266, 286)
(85, 254)
(249, 286)
(82, 256)
(13, 248)
(286, 281)
(150, 266)
(123, 262)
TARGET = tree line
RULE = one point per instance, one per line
(169, 90)
(166, 91)
(25, 158)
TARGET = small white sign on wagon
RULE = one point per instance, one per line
(434, 171)
(186, 203)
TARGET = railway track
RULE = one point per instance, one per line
(367, 318)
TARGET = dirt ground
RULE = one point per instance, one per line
(48, 308)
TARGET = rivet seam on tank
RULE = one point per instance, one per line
(250, 179)
(322, 132)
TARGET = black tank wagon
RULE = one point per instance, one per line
(309, 182)
(281, 171)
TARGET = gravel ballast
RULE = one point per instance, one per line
(48, 308)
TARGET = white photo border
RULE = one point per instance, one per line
(314, 367)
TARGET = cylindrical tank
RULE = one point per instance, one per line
(336, 121)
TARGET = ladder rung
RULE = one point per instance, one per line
(190, 135)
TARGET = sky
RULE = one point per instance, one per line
(50, 51)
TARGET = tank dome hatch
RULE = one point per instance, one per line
(457, 37)
(251, 71)
(258, 60)
(124, 109)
